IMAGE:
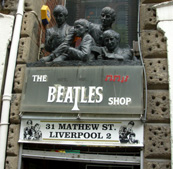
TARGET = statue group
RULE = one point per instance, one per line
(97, 41)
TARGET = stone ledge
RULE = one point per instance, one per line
(34, 5)
(13, 137)
(157, 73)
(147, 17)
(157, 141)
(30, 27)
(10, 5)
(19, 78)
(28, 51)
(14, 110)
(158, 106)
(157, 164)
(153, 44)
(11, 162)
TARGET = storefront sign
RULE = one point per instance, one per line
(101, 89)
(118, 133)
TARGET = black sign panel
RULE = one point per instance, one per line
(101, 89)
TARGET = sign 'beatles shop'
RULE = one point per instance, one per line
(113, 90)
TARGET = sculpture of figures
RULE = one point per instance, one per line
(111, 49)
(96, 40)
(95, 30)
(56, 35)
(66, 51)
(107, 19)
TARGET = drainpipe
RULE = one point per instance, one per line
(165, 24)
(2, 3)
(9, 83)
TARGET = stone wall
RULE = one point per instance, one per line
(157, 129)
(32, 32)
(157, 150)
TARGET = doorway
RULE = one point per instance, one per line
(28, 163)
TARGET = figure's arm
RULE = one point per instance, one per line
(127, 54)
(63, 47)
(48, 40)
(70, 37)
(84, 50)
(114, 55)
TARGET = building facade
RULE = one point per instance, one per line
(156, 150)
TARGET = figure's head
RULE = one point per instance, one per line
(37, 127)
(111, 40)
(29, 123)
(60, 13)
(132, 137)
(81, 27)
(130, 124)
(107, 16)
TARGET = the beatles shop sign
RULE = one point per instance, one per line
(112, 89)
(119, 133)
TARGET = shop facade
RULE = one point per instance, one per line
(91, 116)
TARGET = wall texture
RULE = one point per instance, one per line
(157, 152)
(32, 35)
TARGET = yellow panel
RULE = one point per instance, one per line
(45, 13)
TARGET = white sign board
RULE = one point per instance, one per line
(117, 133)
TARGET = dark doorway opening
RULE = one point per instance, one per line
(28, 163)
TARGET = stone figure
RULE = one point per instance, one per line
(56, 35)
(107, 19)
(67, 50)
(111, 49)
